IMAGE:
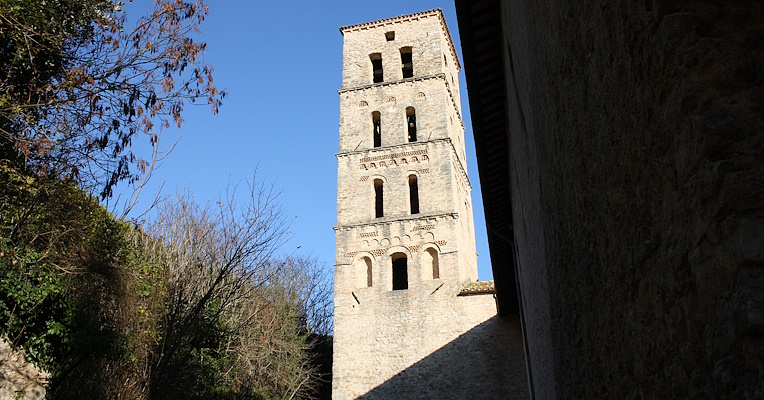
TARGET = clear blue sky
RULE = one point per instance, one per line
(281, 64)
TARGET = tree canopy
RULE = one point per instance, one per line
(77, 86)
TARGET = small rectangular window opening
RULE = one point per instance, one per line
(377, 128)
(406, 62)
(376, 67)
(390, 36)
(414, 194)
(378, 210)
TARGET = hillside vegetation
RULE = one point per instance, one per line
(195, 302)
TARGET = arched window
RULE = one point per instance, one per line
(378, 209)
(363, 272)
(376, 128)
(430, 267)
(406, 62)
(411, 123)
(376, 67)
(413, 194)
(400, 272)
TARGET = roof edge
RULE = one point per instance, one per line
(479, 287)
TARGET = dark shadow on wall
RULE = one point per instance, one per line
(486, 362)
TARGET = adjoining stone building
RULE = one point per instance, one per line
(410, 319)
(621, 154)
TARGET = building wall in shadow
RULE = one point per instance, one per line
(486, 362)
(408, 343)
(634, 153)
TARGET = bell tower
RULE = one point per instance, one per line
(405, 243)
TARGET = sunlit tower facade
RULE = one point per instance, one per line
(405, 243)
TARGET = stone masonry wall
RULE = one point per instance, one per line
(425, 343)
(638, 195)
(410, 237)
(436, 114)
(432, 51)
(442, 191)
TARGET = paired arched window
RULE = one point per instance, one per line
(376, 126)
(411, 123)
(407, 64)
(379, 209)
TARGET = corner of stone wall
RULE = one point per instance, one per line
(19, 378)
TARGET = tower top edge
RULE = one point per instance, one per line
(408, 17)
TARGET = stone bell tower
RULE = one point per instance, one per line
(405, 243)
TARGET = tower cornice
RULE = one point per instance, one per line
(400, 147)
(392, 220)
(394, 147)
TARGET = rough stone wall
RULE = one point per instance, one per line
(637, 142)
(19, 379)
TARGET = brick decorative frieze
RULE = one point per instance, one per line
(378, 252)
(394, 155)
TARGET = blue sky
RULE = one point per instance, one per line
(281, 65)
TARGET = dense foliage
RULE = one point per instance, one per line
(196, 304)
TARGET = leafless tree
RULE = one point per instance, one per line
(79, 85)
(224, 266)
